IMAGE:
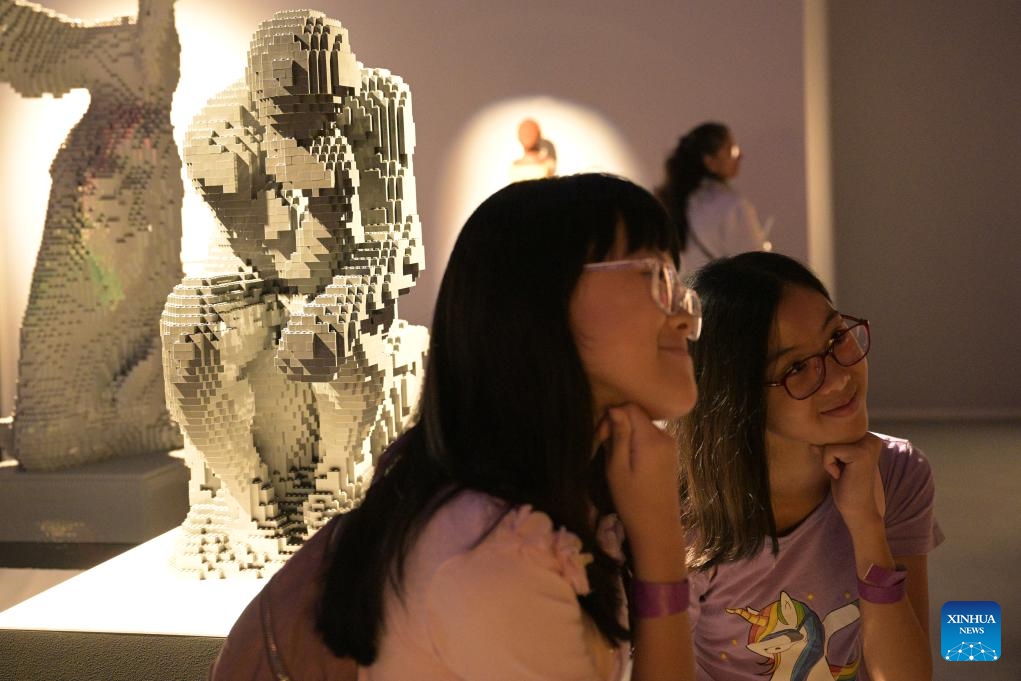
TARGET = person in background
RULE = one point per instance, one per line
(712, 218)
(489, 544)
(808, 534)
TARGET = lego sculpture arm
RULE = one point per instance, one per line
(362, 298)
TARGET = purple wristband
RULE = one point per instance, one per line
(882, 585)
(657, 599)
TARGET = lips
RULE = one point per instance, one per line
(846, 408)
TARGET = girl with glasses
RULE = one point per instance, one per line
(489, 544)
(808, 534)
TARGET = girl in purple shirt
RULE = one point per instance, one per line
(808, 535)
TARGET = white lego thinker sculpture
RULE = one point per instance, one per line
(291, 374)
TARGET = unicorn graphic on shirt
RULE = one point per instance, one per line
(796, 641)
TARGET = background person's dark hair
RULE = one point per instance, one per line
(685, 171)
(506, 405)
(724, 475)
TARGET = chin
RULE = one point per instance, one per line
(848, 433)
(674, 409)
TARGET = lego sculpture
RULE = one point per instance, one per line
(90, 375)
(290, 375)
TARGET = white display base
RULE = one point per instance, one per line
(132, 617)
(137, 592)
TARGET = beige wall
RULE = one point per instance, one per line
(927, 199)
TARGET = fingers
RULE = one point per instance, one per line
(830, 462)
(603, 430)
(857, 485)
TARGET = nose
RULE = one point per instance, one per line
(836, 376)
(687, 324)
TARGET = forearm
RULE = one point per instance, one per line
(895, 642)
(663, 648)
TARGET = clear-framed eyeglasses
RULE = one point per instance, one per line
(669, 292)
(847, 347)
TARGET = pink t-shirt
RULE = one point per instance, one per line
(502, 607)
(505, 608)
(795, 615)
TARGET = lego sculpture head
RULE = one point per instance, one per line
(300, 70)
(301, 75)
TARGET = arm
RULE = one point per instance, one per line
(895, 639)
(643, 475)
(320, 338)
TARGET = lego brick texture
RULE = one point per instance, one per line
(290, 374)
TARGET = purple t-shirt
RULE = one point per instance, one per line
(794, 615)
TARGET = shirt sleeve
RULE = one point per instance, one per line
(911, 527)
(499, 615)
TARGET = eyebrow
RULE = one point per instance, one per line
(774, 356)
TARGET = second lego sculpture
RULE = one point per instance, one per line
(290, 375)
(90, 381)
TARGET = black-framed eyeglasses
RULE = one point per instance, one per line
(847, 347)
(668, 289)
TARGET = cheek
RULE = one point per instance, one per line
(787, 417)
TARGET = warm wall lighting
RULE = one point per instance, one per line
(480, 158)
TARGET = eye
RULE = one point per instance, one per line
(840, 337)
(796, 368)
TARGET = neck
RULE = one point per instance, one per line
(798, 483)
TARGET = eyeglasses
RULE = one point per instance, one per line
(847, 347)
(669, 292)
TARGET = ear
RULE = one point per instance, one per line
(711, 164)
(788, 613)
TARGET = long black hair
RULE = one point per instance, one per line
(506, 407)
(725, 479)
(685, 169)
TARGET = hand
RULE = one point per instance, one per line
(642, 472)
(856, 484)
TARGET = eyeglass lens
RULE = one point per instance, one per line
(673, 297)
(849, 348)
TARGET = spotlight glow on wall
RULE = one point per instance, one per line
(480, 158)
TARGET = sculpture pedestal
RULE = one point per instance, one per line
(132, 617)
(79, 517)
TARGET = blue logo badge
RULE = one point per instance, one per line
(970, 631)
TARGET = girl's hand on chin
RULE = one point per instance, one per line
(856, 484)
(642, 472)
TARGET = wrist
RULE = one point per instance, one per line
(658, 557)
(881, 584)
(659, 599)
